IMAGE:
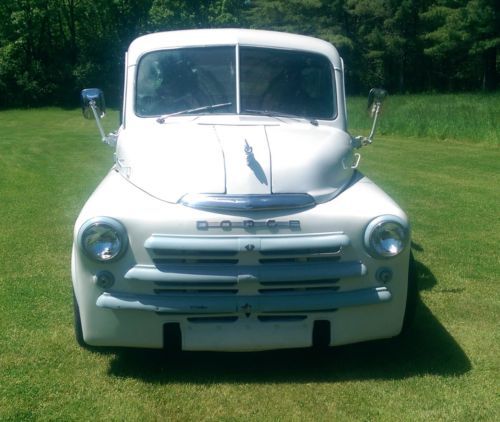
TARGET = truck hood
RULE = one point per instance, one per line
(171, 160)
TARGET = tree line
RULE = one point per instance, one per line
(50, 49)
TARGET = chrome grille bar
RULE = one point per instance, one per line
(231, 245)
(269, 273)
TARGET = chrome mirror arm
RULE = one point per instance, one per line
(93, 107)
(109, 139)
(375, 112)
(93, 100)
(375, 98)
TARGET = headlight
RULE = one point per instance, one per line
(103, 239)
(386, 236)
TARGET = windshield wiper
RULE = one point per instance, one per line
(278, 114)
(162, 119)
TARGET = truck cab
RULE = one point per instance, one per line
(234, 217)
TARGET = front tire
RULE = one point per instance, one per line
(78, 324)
(411, 296)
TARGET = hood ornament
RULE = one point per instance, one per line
(249, 153)
(254, 164)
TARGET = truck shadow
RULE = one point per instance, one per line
(427, 348)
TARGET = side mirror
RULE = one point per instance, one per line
(93, 106)
(375, 98)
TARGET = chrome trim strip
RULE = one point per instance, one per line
(248, 202)
(195, 304)
(193, 244)
(231, 244)
(230, 274)
(269, 245)
(238, 99)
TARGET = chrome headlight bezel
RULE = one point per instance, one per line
(117, 236)
(386, 236)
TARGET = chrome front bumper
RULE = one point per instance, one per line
(270, 303)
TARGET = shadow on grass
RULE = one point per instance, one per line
(426, 349)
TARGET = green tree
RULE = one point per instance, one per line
(386, 42)
(25, 34)
(462, 41)
(50, 49)
(298, 16)
(179, 14)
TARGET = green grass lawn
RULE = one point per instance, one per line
(448, 369)
(464, 117)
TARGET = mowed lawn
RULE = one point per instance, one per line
(447, 369)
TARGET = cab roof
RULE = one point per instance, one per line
(219, 37)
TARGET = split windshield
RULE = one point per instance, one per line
(204, 80)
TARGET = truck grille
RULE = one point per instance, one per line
(230, 265)
(223, 278)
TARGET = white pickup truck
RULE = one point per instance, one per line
(234, 218)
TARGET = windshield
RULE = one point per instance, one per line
(203, 80)
(289, 82)
(171, 81)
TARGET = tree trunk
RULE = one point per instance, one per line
(489, 69)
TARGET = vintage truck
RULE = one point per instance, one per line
(235, 218)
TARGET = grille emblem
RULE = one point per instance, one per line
(247, 309)
(250, 225)
(250, 247)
